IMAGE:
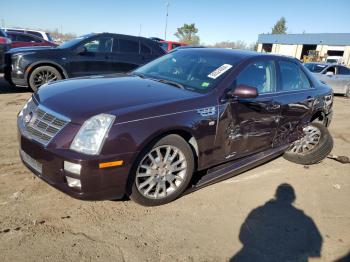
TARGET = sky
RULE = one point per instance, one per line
(216, 20)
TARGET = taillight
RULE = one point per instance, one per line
(5, 40)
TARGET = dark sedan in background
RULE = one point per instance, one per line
(91, 54)
(5, 45)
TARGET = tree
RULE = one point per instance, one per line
(231, 44)
(187, 34)
(253, 46)
(280, 27)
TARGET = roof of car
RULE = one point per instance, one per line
(22, 29)
(115, 34)
(225, 51)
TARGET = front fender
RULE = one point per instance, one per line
(134, 136)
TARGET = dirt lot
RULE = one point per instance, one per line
(38, 223)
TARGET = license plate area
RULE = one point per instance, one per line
(37, 166)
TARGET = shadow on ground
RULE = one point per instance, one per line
(6, 88)
(277, 231)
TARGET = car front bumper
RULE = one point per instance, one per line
(96, 183)
(17, 79)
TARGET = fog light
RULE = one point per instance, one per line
(73, 182)
(72, 167)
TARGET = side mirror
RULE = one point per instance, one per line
(80, 50)
(329, 73)
(243, 91)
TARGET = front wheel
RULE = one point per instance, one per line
(314, 146)
(42, 75)
(163, 172)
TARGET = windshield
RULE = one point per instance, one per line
(197, 71)
(73, 41)
(315, 68)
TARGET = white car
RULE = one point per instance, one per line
(336, 76)
(41, 34)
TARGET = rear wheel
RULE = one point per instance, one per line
(163, 172)
(313, 147)
(42, 75)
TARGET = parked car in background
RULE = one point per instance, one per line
(44, 35)
(25, 40)
(336, 76)
(169, 45)
(334, 59)
(91, 54)
(5, 45)
(144, 134)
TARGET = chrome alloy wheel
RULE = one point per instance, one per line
(161, 172)
(308, 142)
(43, 77)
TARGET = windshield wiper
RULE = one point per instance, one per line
(176, 84)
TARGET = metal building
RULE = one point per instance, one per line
(336, 45)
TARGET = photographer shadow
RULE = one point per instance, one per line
(277, 231)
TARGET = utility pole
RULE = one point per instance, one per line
(3, 22)
(140, 30)
(166, 19)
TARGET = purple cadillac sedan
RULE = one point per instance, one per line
(145, 134)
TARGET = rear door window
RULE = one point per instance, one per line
(128, 46)
(145, 49)
(261, 75)
(292, 77)
(343, 70)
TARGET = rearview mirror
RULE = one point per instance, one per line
(243, 91)
(329, 73)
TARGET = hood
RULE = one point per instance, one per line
(82, 98)
(31, 49)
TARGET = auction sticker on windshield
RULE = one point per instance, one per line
(219, 71)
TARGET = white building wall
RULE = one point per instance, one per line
(296, 50)
(287, 50)
(259, 48)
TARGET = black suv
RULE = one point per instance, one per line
(5, 45)
(91, 54)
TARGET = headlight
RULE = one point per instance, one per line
(24, 109)
(92, 134)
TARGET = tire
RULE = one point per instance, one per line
(319, 148)
(156, 182)
(42, 75)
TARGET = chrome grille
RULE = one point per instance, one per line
(40, 123)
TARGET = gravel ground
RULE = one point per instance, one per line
(38, 223)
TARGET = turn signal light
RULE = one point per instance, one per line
(110, 164)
